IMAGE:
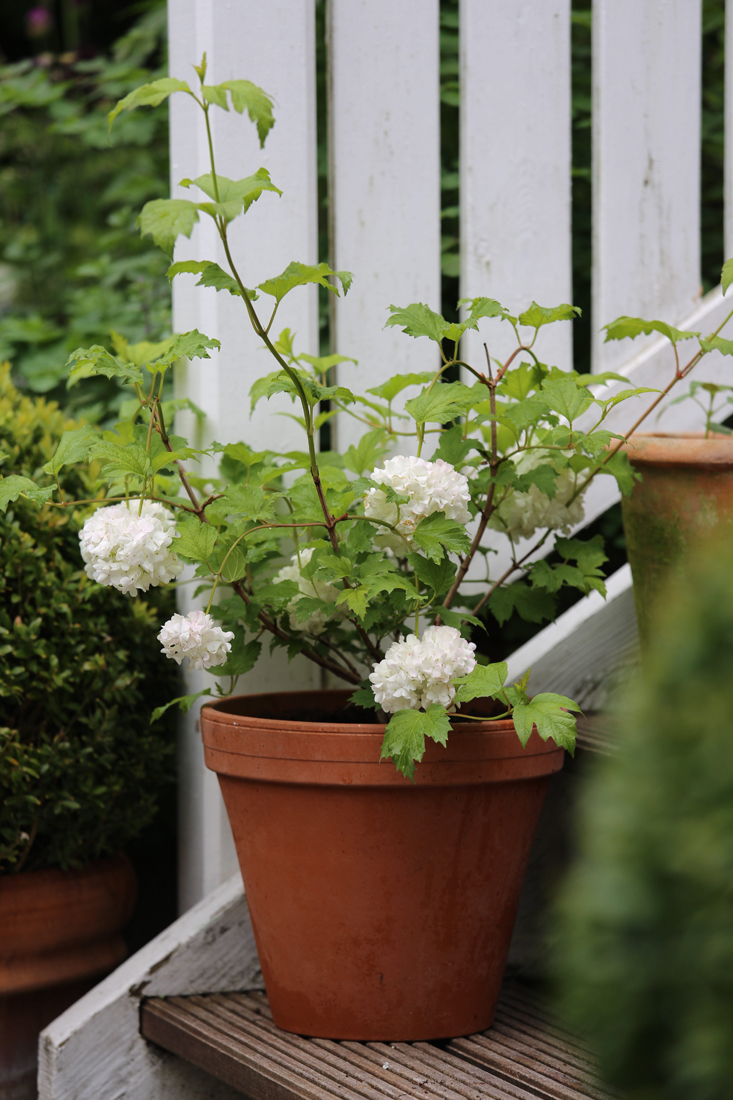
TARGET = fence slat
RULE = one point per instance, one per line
(729, 130)
(273, 45)
(385, 184)
(646, 164)
(515, 164)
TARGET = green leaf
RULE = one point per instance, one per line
(211, 275)
(536, 316)
(119, 461)
(370, 449)
(216, 94)
(356, 599)
(13, 486)
(636, 326)
(619, 466)
(624, 395)
(364, 697)
(148, 95)
(297, 274)
(717, 343)
(532, 604)
(418, 320)
(74, 446)
(726, 275)
(549, 713)
(566, 397)
(436, 534)
(246, 96)
(231, 197)
(404, 736)
(87, 362)
(187, 345)
(185, 702)
(519, 382)
(455, 618)
(444, 402)
(166, 220)
(452, 447)
(246, 502)
(553, 577)
(437, 575)
(486, 681)
(398, 382)
(196, 540)
(241, 659)
(484, 307)
(588, 554)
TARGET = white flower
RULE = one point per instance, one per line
(197, 637)
(521, 514)
(429, 486)
(416, 673)
(130, 551)
(315, 623)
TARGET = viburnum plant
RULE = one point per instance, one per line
(373, 564)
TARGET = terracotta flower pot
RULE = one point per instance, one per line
(60, 933)
(382, 909)
(686, 494)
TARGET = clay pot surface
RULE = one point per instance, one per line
(59, 933)
(686, 495)
(382, 909)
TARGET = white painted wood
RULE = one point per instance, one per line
(94, 1051)
(515, 165)
(581, 652)
(646, 163)
(729, 131)
(385, 187)
(274, 46)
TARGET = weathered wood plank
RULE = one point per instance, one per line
(274, 46)
(231, 1037)
(385, 182)
(646, 163)
(95, 1049)
(515, 164)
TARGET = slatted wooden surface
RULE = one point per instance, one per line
(523, 1055)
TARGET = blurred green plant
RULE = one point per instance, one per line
(81, 769)
(73, 265)
(644, 951)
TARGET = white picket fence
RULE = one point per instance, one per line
(385, 192)
(515, 246)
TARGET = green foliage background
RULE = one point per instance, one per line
(81, 769)
(645, 935)
(74, 265)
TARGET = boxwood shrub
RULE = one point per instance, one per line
(81, 767)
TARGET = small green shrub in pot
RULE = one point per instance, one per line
(80, 765)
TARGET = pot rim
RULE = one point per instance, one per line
(693, 449)
(292, 725)
(332, 753)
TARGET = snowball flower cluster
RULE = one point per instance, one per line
(521, 514)
(129, 549)
(416, 673)
(197, 637)
(429, 486)
(315, 623)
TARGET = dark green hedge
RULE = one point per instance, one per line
(80, 671)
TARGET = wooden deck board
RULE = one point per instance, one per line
(523, 1056)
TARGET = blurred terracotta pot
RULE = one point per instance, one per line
(59, 934)
(382, 909)
(686, 495)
